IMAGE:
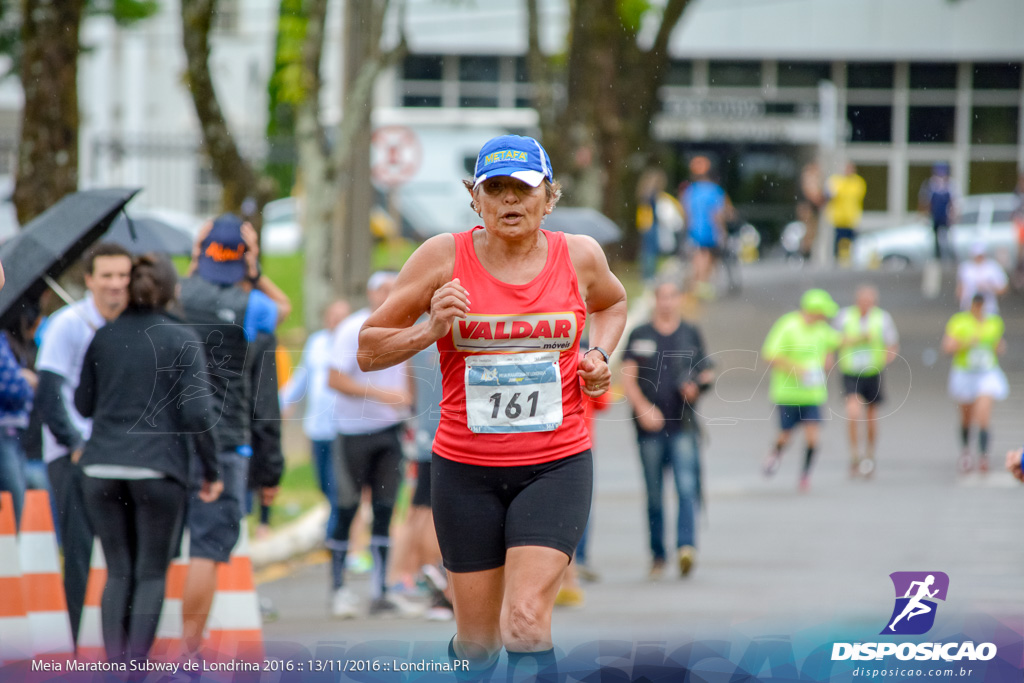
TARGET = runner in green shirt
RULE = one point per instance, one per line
(799, 348)
(975, 340)
(870, 343)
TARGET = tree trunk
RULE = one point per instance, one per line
(48, 151)
(601, 140)
(319, 287)
(236, 175)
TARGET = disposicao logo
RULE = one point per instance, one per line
(913, 615)
(916, 593)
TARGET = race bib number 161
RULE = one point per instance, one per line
(510, 393)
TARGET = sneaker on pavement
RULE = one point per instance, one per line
(687, 556)
(345, 604)
(570, 597)
(805, 483)
(771, 463)
(440, 609)
(965, 463)
(436, 579)
(983, 463)
(657, 569)
(389, 605)
(867, 467)
(587, 574)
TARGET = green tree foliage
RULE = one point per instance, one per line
(286, 90)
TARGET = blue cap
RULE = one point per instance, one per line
(513, 155)
(222, 253)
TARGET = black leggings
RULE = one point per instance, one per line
(138, 523)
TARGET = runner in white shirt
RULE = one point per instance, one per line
(980, 275)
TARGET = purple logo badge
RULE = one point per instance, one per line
(916, 593)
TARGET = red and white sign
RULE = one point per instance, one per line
(395, 155)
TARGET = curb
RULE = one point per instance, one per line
(292, 540)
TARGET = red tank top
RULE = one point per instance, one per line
(511, 395)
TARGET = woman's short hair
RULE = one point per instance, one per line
(153, 282)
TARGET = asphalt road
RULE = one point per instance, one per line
(771, 559)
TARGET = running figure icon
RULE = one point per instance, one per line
(916, 606)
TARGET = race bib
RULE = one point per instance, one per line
(510, 393)
(861, 360)
(815, 377)
(980, 360)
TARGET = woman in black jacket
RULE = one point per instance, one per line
(144, 385)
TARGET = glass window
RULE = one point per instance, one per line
(933, 76)
(522, 70)
(877, 180)
(931, 124)
(996, 76)
(422, 68)
(780, 108)
(679, 73)
(994, 125)
(478, 102)
(992, 176)
(735, 74)
(1003, 215)
(869, 75)
(803, 74)
(478, 68)
(421, 101)
(870, 123)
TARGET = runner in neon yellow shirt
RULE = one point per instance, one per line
(799, 348)
(975, 340)
(870, 343)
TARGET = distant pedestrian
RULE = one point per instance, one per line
(799, 348)
(17, 389)
(137, 471)
(810, 200)
(938, 199)
(975, 340)
(309, 383)
(664, 370)
(59, 364)
(845, 192)
(705, 210)
(982, 275)
(266, 466)
(870, 343)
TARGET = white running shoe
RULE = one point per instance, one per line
(345, 604)
(390, 605)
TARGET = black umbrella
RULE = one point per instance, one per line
(151, 234)
(52, 242)
(582, 221)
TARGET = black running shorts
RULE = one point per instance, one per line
(868, 387)
(480, 512)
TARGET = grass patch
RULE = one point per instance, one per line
(299, 493)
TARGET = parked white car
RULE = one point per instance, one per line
(282, 233)
(984, 218)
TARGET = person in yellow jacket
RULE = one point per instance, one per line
(799, 348)
(870, 343)
(845, 206)
(975, 340)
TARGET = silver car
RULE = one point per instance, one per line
(984, 218)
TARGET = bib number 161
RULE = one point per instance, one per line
(513, 408)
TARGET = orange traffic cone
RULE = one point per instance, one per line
(169, 631)
(15, 639)
(90, 631)
(44, 590)
(235, 628)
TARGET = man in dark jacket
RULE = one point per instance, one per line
(228, 301)
(267, 463)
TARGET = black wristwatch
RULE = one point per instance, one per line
(254, 279)
(604, 354)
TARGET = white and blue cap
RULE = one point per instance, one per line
(513, 155)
